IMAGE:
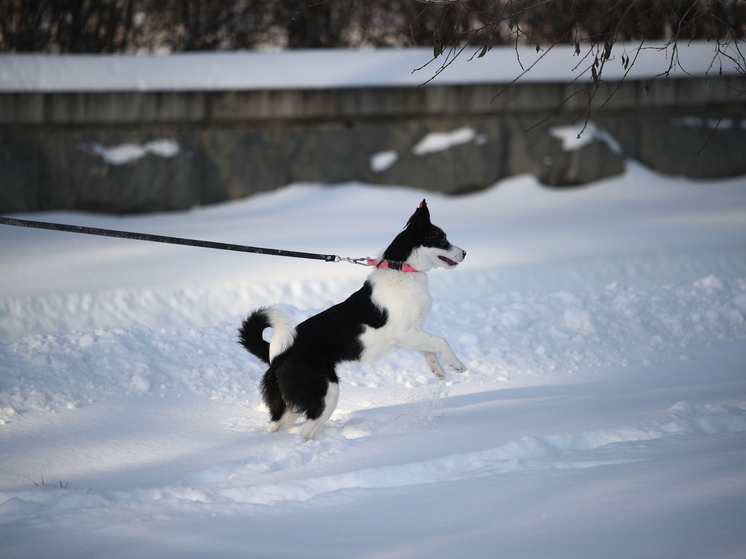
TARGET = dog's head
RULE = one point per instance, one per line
(422, 245)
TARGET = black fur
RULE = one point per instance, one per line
(298, 378)
(250, 334)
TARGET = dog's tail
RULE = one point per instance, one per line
(250, 333)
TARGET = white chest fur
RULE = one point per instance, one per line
(406, 299)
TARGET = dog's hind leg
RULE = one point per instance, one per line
(432, 360)
(316, 418)
(281, 417)
(284, 423)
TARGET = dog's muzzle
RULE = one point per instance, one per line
(453, 263)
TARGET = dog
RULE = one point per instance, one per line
(384, 315)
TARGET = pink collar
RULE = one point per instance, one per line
(388, 265)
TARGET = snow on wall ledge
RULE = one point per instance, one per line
(125, 153)
(327, 68)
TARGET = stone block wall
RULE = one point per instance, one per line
(125, 152)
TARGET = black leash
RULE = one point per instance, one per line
(173, 240)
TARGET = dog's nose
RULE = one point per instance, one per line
(463, 254)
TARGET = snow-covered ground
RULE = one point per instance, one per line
(603, 413)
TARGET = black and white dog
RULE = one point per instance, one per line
(384, 315)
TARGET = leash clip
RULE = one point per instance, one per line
(358, 261)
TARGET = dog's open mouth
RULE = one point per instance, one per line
(448, 261)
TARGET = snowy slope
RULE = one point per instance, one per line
(603, 413)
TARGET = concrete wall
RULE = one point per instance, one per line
(230, 144)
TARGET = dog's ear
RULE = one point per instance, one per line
(421, 216)
(416, 229)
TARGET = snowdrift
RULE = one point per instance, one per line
(603, 413)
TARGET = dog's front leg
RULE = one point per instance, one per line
(428, 343)
(432, 360)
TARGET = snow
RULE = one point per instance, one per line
(339, 68)
(432, 142)
(125, 153)
(440, 141)
(576, 136)
(603, 413)
(383, 160)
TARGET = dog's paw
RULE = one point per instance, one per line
(434, 364)
(458, 367)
